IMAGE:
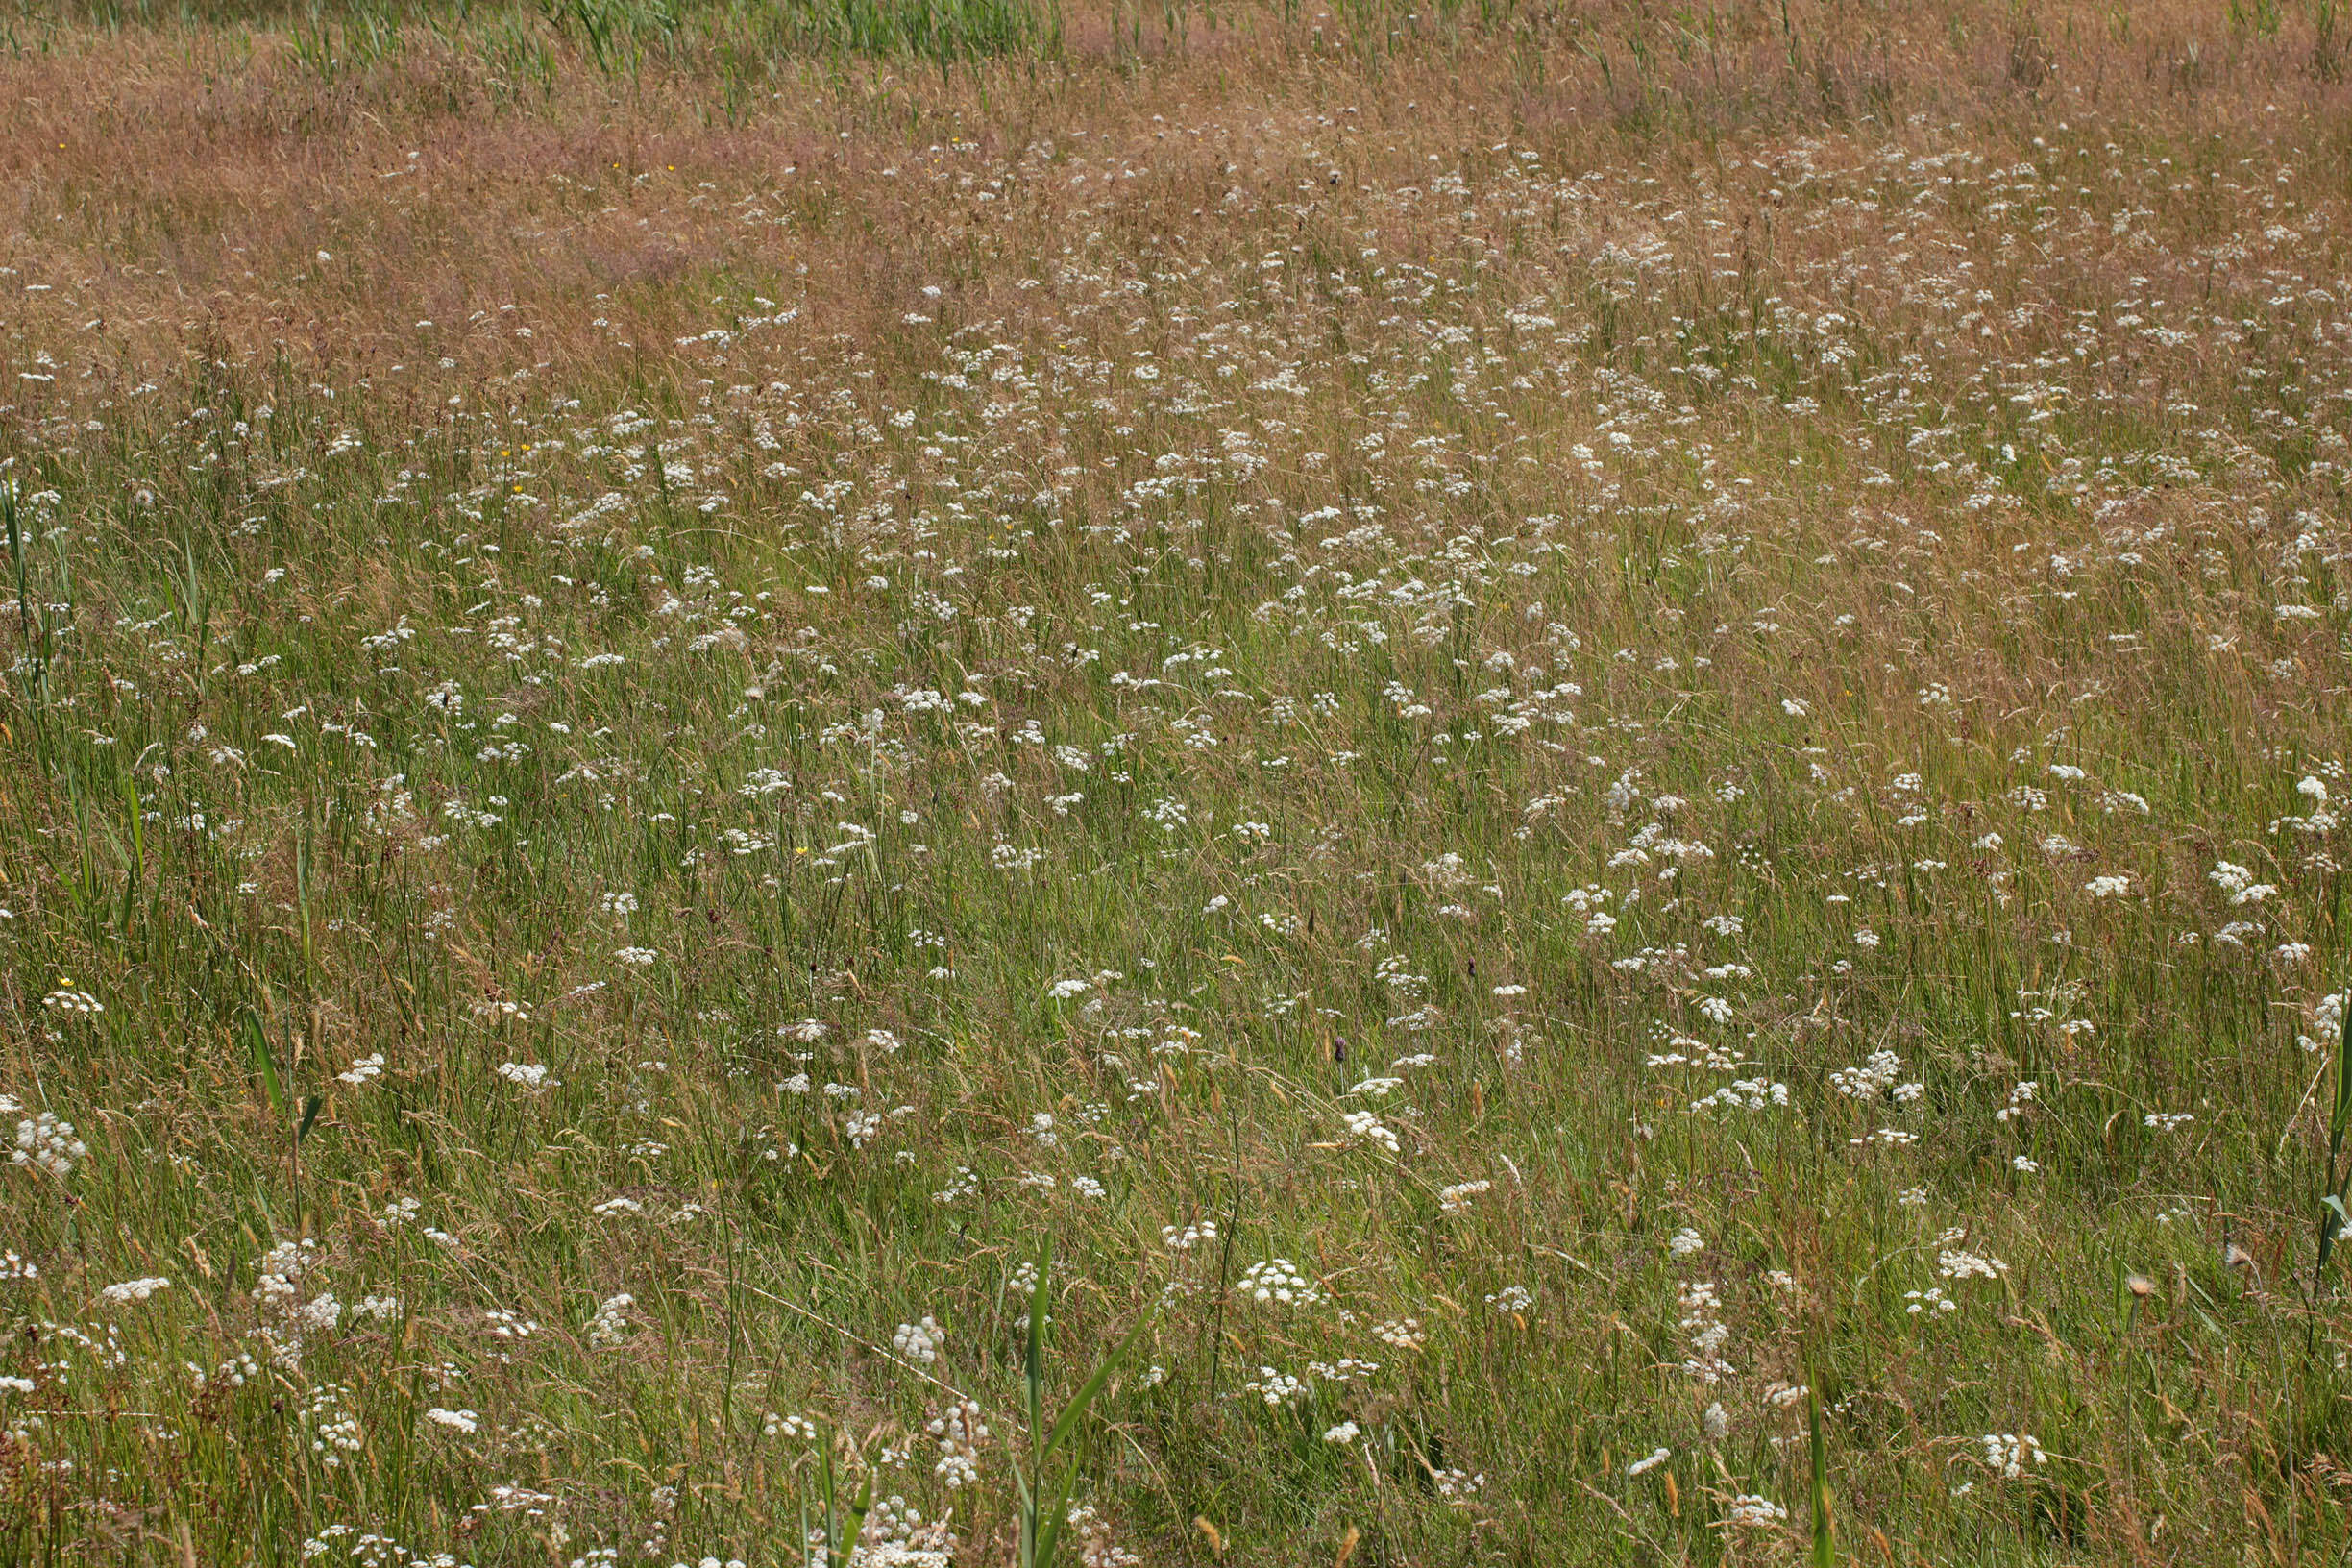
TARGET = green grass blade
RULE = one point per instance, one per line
(256, 1043)
(1033, 1358)
(1094, 1385)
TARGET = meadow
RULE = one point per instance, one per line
(886, 783)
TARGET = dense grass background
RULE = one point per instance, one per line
(1658, 696)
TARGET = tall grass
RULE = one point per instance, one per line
(1423, 787)
(335, 38)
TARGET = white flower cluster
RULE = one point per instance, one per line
(1869, 1080)
(2238, 883)
(959, 1432)
(49, 1144)
(1279, 1280)
(893, 1554)
(920, 1341)
(67, 999)
(896, 1525)
(1095, 1547)
(509, 1325)
(610, 1326)
(237, 1371)
(2007, 1453)
(1702, 1320)
(1277, 1389)
(1954, 1263)
(1346, 1369)
(322, 1312)
(334, 1431)
(278, 1270)
(1456, 1199)
(277, 1294)
(2327, 1021)
(1745, 1094)
(130, 1290)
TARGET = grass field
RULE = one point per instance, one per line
(920, 781)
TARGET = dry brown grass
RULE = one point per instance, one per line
(175, 188)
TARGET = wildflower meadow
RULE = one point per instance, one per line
(903, 783)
